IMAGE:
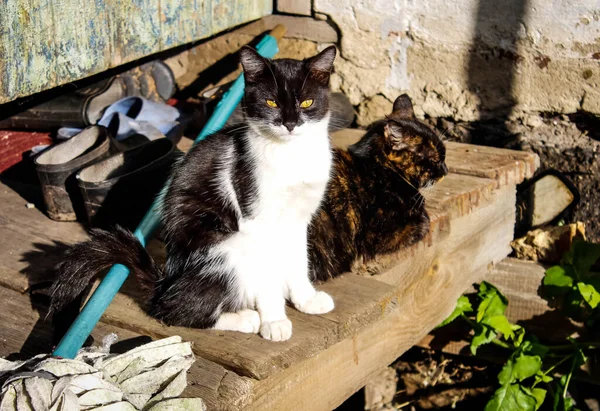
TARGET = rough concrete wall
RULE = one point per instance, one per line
(468, 59)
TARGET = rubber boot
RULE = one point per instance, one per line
(57, 166)
(121, 188)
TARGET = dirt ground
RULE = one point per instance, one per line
(430, 380)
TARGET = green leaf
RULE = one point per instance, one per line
(584, 255)
(557, 280)
(501, 325)
(483, 335)
(493, 302)
(463, 306)
(569, 405)
(538, 393)
(519, 336)
(558, 392)
(566, 403)
(519, 369)
(589, 294)
(511, 397)
(540, 396)
(527, 366)
(560, 403)
(541, 377)
(505, 376)
(594, 280)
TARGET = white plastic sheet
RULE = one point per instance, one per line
(149, 377)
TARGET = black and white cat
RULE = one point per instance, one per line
(236, 213)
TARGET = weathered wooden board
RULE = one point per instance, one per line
(25, 332)
(47, 43)
(359, 301)
(305, 28)
(23, 328)
(520, 282)
(465, 199)
(30, 243)
(302, 7)
(426, 294)
(504, 166)
(30, 255)
(394, 303)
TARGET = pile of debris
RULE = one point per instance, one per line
(149, 377)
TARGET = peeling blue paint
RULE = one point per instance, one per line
(46, 43)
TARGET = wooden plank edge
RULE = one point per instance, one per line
(324, 381)
(520, 282)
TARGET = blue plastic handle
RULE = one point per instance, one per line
(85, 322)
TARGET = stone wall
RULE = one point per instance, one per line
(465, 59)
(497, 73)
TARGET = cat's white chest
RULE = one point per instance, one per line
(292, 179)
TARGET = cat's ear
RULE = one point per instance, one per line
(321, 65)
(253, 63)
(393, 135)
(403, 106)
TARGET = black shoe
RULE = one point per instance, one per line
(121, 188)
(153, 81)
(57, 166)
(79, 109)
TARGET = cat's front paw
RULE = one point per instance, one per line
(276, 330)
(251, 319)
(244, 321)
(320, 303)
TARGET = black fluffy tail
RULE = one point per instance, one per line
(84, 261)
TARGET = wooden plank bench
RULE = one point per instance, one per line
(383, 307)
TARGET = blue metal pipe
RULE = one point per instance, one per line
(85, 322)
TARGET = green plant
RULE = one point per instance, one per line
(531, 368)
(575, 283)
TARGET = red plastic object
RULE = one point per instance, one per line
(13, 144)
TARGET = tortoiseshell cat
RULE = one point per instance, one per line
(373, 204)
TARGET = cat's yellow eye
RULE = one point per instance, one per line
(306, 103)
(271, 103)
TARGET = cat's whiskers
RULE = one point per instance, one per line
(244, 127)
(441, 138)
(417, 204)
(337, 121)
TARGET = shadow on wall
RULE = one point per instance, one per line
(493, 64)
